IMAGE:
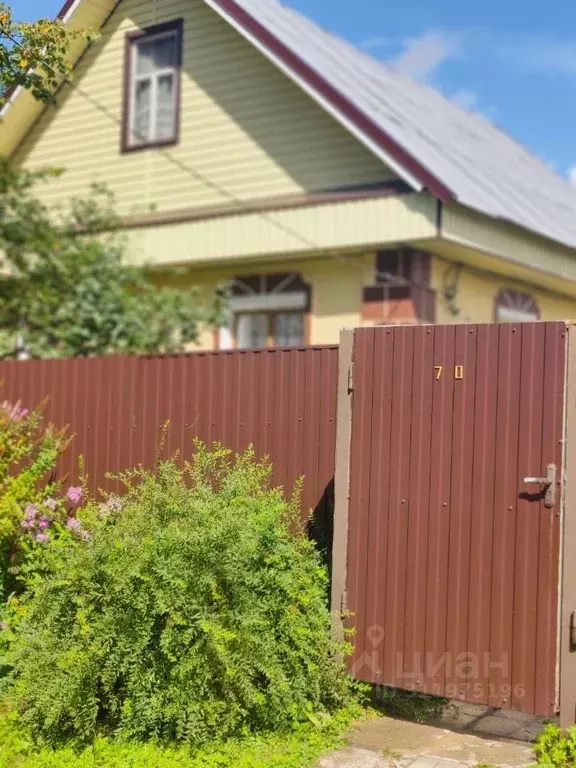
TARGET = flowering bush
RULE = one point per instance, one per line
(28, 456)
(197, 614)
(40, 520)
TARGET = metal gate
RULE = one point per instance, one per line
(448, 509)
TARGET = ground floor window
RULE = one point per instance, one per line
(269, 329)
(268, 310)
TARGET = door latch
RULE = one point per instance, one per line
(548, 482)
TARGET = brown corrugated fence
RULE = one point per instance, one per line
(446, 558)
(452, 558)
(282, 401)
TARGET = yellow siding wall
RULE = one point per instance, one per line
(244, 125)
(336, 291)
(351, 225)
(491, 236)
(476, 293)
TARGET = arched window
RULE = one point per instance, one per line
(268, 310)
(514, 307)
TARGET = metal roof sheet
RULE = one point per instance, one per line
(482, 166)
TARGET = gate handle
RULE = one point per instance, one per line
(549, 482)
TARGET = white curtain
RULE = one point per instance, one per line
(154, 89)
(142, 106)
(288, 329)
(165, 107)
(251, 331)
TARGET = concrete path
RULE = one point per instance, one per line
(388, 743)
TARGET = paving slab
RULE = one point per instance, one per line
(384, 742)
(491, 722)
(353, 757)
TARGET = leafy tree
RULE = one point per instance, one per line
(33, 55)
(65, 287)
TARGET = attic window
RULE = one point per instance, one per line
(152, 86)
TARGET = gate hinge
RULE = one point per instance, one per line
(351, 378)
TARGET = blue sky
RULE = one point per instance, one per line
(512, 60)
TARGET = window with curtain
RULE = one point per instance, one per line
(154, 75)
(269, 329)
(268, 310)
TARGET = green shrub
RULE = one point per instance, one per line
(195, 614)
(28, 456)
(556, 748)
(297, 749)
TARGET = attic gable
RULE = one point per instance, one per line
(426, 140)
(246, 130)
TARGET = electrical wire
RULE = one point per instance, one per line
(389, 279)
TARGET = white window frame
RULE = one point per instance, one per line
(133, 141)
(270, 303)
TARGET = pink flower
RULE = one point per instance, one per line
(72, 523)
(31, 511)
(26, 524)
(14, 412)
(44, 522)
(74, 495)
(3, 625)
(50, 503)
(114, 504)
(42, 537)
(86, 536)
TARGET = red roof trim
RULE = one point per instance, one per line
(65, 8)
(340, 102)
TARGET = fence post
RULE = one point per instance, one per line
(342, 482)
(567, 660)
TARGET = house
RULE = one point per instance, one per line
(246, 144)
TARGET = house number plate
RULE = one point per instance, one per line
(458, 372)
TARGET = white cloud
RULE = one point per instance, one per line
(572, 175)
(420, 58)
(423, 55)
(465, 99)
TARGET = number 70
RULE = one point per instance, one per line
(458, 371)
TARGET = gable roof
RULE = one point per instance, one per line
(431, 142)
(472, 160)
